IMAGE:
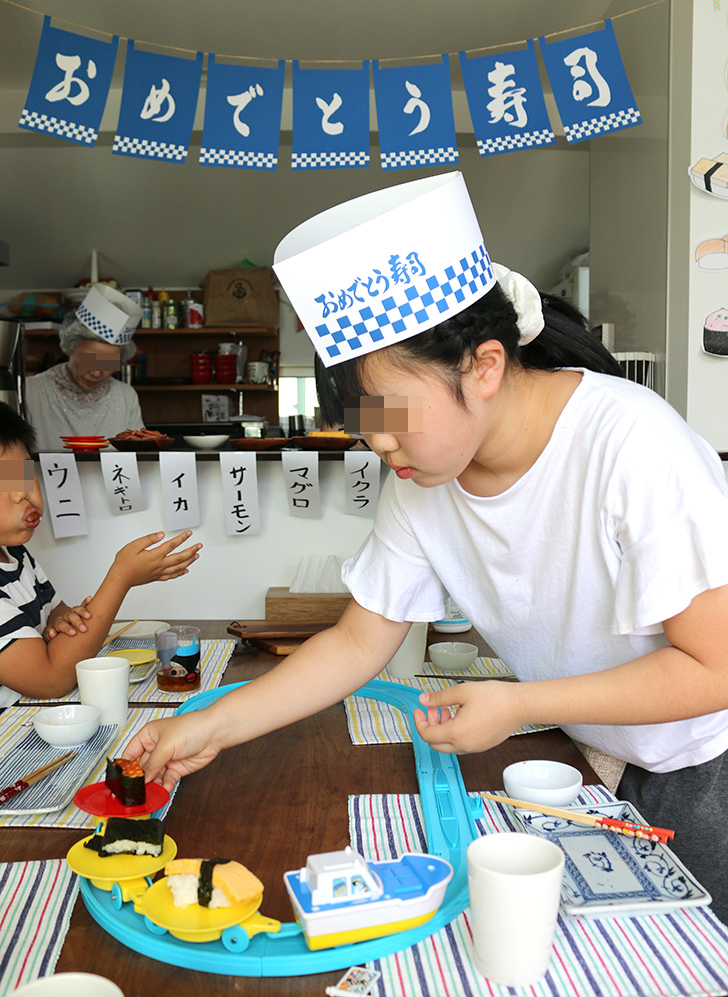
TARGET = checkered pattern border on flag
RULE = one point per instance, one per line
(410, 306)
(420, 157)
(233, 157)
(507, 143)
(130, 146)
(58, 126)
(319, 160)
(607, 123)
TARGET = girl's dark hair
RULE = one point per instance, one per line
(14, 429)
(566, 341)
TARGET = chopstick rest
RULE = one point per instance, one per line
(17, 787)
(593, 820)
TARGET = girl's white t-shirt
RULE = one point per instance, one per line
(619, 524)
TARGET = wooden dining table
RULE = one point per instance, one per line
(269, 804)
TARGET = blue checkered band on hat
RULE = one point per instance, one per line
(419, 157)
(409, 309)
(236, 157)
(507, 143)
(321, 160)
(57, 126)
(605, 123)
(129, 145)
(95, 324)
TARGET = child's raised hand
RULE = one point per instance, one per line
(485, 716)
(141, 562)
(69, 621)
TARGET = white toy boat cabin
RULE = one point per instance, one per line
(340, 898)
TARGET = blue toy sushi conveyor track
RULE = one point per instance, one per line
(449, 815)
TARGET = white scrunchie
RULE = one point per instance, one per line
(525, 299)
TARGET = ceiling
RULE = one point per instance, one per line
(323, 30)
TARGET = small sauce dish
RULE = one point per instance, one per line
(547, 783)
(452, 655)
(67, 725)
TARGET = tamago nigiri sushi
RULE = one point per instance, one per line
(211, 882)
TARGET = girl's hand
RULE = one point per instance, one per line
(486, 715)
(69, 621)
(140, 562)
(169, 749)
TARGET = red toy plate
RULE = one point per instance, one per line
(97, 799)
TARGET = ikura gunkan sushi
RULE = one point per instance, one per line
(211, 882)
(125, 779)
(123, 836)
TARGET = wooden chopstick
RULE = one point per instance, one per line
(118, 633)
(593, 820)
(46, 769)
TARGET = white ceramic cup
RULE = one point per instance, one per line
(104, 682)
(257, 372)
(71, 985)
(410, 657)
(515, 890)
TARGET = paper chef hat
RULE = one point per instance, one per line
(385, 266)
(109, 314)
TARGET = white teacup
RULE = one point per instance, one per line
(71, 985)
(104, 682)
(515, 889)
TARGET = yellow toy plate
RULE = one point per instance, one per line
(141, 662)
(104, 872)
(200, 924)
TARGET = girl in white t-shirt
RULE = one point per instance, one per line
(578, 521)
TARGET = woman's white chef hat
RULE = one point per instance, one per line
(109, 314)
(385, 266)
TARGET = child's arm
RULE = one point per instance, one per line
(687, 679)
(66, 620)
(324, 670)
(42, 670)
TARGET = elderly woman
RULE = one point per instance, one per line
(80, 397)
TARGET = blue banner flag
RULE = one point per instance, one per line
(330, 118)
(70, 85)
(590, 86)
(506, 101)
(242, 116)
(414, 114)
(158, 105)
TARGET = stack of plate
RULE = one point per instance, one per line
(85, 444)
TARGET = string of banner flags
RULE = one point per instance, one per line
(331, 127)
(180, 495)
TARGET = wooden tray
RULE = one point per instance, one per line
(274, 630)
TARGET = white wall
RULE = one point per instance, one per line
(231, 578)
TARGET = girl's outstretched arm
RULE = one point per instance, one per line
(328, 667)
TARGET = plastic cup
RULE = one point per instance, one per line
(178, 659)
(515, 890)
(410, 657)
(104, 682)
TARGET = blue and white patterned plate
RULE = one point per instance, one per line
(608, 873)
(55, 792)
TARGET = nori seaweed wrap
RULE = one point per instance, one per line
(123, 836)
(125, 779)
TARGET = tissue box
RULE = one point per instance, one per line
(301, 607)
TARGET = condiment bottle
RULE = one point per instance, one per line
(169, 314)
(156, 312)
(184, 314)
(146, 312)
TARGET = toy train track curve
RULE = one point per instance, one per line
(449, 817)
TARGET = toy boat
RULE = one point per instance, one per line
(340, 898)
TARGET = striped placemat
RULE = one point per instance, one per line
(214, 656)
(36, 902)
(490, 667)
(683, 952)
(12, 732)
(372, 722)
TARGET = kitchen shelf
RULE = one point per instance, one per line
(215, 388)
(222, 330)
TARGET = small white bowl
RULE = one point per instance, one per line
(206, 442)
(552, 784)
(62, 726)
(452, 655)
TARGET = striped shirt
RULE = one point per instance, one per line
(26, 600)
